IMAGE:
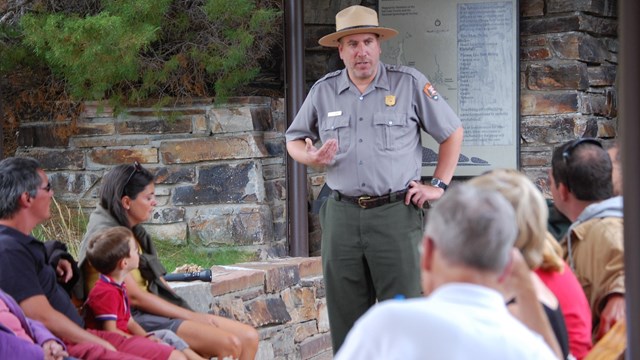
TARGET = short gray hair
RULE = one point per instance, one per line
(473, 227)
(17, 176)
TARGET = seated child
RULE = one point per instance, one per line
(24, 338)
(114, 253)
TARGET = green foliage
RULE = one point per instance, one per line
(131, 51)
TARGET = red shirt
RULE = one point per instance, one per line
(574, 306)
(107, 300)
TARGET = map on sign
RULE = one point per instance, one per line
(469, 51)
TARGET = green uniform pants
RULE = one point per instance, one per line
(367, 254)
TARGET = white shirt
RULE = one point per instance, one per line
(457, 321)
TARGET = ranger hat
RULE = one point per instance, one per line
(356, 20)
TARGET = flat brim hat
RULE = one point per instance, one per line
(356, 20)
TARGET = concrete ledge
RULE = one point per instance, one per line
(283, 298)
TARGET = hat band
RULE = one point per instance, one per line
(359, 27)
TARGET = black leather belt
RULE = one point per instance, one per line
(368, 202)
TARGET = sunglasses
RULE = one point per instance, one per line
(566, 154)
(136, 168)
(47, 187)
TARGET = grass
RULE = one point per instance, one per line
(68, 225)
(172, 255)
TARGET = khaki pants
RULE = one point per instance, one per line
(367, 255)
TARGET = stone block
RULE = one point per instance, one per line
(232, 225)
(534, 54)
(304, 330)
(265, 351)
(275, 146)
(213, 148)
(200, 124)
(196, 293)
(604, 75)
(124, 156)
(167, 215)
(175, 233)
(549, 129)
(50, 135)
(283, 345)
(600, 7)
(232, 308)
(175, 174)
(278, 276)
(571, 76)
(87, 128)
(223, 184)
(156, 126)
(550, 25)
(315, 345)
(267, 311)
(548, 103)
(579, 46)
(272, 171)
(323, 316)
(53, 159)
(529, 8)
(598, 104)
(300, 303)
(231, 120)
(95, 142)
(77, 183)
(228, 279)
(168, 113)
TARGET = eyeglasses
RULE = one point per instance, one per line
(566, 154)
(47, 187)
(136, 168)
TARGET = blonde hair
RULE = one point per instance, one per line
(531, 215)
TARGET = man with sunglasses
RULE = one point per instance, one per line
(25, 272)
(582, 189)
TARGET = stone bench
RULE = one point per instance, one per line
(283, 298)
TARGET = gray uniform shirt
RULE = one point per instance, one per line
(378, 132)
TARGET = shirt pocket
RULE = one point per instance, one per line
(337, 127)
(391, 130)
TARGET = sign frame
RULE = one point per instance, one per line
(469, 50)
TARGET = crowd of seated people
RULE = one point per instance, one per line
(562, 295)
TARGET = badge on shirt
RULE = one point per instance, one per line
(430, 91)
(390, 100)
(334, 113)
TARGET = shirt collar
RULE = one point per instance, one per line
(380, 81)
(109, 280)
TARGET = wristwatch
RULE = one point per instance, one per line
(439, 183)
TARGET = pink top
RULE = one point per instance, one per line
(8, 319)
(575, 308)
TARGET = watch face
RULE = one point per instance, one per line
(435, 182)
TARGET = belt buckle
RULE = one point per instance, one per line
(361, 203)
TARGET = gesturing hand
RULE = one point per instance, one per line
(324, 155)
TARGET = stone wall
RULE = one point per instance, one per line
(568, 62)
(220, 169)
(284, 299)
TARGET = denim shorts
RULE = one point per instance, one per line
(151, 322)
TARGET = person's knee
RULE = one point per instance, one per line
(232, 346)
(177, 355)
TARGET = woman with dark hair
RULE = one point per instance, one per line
(127, 199)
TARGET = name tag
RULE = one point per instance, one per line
(334, 113)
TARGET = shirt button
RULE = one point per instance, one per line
(363, 184)
(359, 140)
(360, 162)
(360, 119)
(361, 97)
(390, 122)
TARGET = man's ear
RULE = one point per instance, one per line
(507, 269)
(24, 200)
(564, 191)
(428, 248)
